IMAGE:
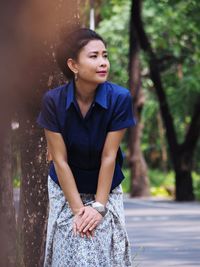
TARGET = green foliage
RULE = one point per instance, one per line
(196, 184)
(159, 192)
(159, 178)
(173, 30)
(172, 27)
(126, 183)
(16, 182)
(114, 28)
(161, 183)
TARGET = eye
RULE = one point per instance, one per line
(93, 56)
(106, 56)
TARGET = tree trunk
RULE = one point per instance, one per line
(139, 178)
(40, 72)
(184, 187)
(183, 171)
(162, 143)
(33, 195)
(8, 49)
(7, 212)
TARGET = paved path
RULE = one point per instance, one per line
(163, 233)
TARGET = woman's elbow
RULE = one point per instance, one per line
(60, 163)
(108, 158)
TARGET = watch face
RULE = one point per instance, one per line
(103, 213)
(100, 208)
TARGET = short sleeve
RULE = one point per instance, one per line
(123, 113)
(47, 117)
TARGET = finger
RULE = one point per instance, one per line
(88, 226)
(84, 223)
(92, 233)
(79, 221)
(74, 228)
(85, 216)
(80, 224)
(82, 235)
(88, 211)
(93, 226)
(88, 234)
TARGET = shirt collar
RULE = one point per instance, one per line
(100, 97)
(70, 94)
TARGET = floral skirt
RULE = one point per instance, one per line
(108, 248)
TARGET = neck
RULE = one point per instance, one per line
(85, 92)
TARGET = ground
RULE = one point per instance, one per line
(163, 232)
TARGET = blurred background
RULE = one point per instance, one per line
(154, 51)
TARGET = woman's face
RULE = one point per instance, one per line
(92, 63)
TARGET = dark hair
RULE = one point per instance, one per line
(70, 46)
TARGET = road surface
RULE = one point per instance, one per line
(163, 233)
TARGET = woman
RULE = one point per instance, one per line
(84, 123)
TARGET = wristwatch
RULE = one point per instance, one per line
(99, 207)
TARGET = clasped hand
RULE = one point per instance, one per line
(85, 221)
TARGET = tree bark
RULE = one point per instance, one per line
(40, 72)
(178, 152)
(8, 49)
(139, 178)
(162, 143)
(7, 211)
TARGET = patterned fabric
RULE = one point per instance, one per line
(108, 248)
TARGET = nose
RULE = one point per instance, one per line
(103, 62)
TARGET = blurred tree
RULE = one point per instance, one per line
(139, 178)
(8, 50)
(7, 212)
(86, 12)
(39, 26)
(181, 153)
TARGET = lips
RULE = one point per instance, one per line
(102, 72)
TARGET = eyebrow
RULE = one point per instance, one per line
(96, 52)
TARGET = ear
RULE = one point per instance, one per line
(71, 63)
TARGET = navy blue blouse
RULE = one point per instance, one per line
(84, 138)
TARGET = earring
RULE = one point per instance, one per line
(76, 76)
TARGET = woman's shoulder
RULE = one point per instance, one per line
(116, 89)
(55, 92)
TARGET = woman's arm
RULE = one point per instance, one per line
(58, 151)
(90, 220)
(108, 159)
